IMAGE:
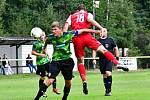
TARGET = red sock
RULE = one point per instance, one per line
(111, 57)
(82, 72)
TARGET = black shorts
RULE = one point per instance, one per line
(105, 65)
(65, 66)
(42, 70)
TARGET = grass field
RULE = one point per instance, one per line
(133, 85)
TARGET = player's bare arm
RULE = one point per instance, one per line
(116, 50)
(89, 31)
(37, 54)
(94, 23)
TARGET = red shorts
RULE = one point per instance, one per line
(84, 40)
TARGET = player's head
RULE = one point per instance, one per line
(104, 33)
(81, 7)
(56, 28)
(37, 32)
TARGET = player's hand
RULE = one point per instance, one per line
(98, 32)
(94, 61)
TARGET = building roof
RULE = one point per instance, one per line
(13, 41)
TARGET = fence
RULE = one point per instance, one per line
(142, 62)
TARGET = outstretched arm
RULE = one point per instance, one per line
(89, 31)
(95, 23)
(33, 52)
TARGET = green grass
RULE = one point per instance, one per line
(133, 85)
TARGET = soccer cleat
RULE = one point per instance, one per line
(125, 69)
(56, 91)
(85, 90)
(44, 95)
(108, 94)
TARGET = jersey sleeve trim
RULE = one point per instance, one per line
(69, 20)
(90, 16)
(75, 33)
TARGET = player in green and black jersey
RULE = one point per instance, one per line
(61, 59)
(42, 60)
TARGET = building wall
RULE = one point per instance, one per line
(23, 52)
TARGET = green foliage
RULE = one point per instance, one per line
(143, 41)
(127, 21)
(134, 52)
(2, 10)
(121, 23)
(21, 16)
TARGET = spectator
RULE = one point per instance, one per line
(29, 63)
(2, 67)
(6, 65)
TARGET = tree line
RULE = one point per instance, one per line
(127, 21)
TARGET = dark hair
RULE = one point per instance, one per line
(81, 7)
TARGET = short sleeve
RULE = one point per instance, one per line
(34, 47)
(113, 42)
(90, 16)
(69, 20)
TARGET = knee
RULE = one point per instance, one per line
(49, 82)
(108, 73)
(80, 60)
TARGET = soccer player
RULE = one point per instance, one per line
(79, 20)
(61, 59)
(42, 60)
(104, 63)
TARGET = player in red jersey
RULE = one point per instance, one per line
(79, 20)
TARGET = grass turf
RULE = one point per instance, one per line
(132, 85)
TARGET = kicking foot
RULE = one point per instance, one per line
(125, 69)
(56, 91)
(85, 90)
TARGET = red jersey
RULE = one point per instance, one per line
(78, 20)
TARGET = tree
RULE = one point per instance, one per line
(2, 9)
(119, 20)
(22, 15)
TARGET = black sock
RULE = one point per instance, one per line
(42, 89)
(40, 82)
(105, 83)
(54, 84)
(109, 79)
(66, 92)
